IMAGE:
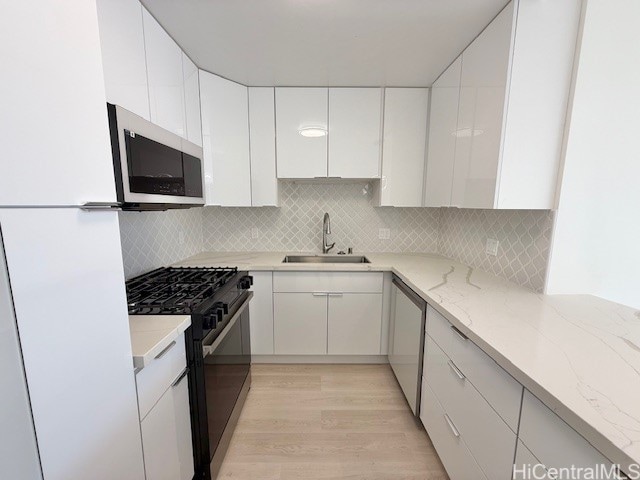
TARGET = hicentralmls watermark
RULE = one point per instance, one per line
(536, 471)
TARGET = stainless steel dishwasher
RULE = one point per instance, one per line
(406, 340)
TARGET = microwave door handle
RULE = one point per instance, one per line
(210, 348)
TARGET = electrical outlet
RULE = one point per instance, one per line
(255, 233)
(384, 234)
(181, 238)
(492, 247)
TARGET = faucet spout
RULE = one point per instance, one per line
(326, 230)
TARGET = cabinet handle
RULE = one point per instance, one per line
(165, 350)
(453, 428)
(456, 370)
(180, 377)
(319, 294)
(335, 294)
(459, 333)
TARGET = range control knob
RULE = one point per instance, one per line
(208, 322)
(246, 282)
(219, 311)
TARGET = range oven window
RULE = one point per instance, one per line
(225, 370)
(157, 169)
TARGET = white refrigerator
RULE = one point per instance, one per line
(70, 412)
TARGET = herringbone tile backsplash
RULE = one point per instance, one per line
(152, 239)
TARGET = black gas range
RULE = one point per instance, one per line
(217, 344)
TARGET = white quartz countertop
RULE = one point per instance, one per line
(578, 353)
(150, 334)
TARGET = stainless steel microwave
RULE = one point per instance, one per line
(154, 168)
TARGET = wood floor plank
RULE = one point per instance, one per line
(324, 422)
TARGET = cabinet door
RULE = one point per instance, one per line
(300, 323)
(225, 141)
(56, 147)
(485, 65)
(261, 314)
(354, 132)
(301, 119)
(79, 267)
(262, 132)
(443, 123)
(182, 415)
(354, 323)
(191, 100)
(123, 57)
(159, 434)
(403, 148)
(164, 73)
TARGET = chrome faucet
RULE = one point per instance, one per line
(326, 230)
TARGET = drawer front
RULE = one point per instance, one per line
(153, 380)
(340, 282)
(449, 444)
(499, 388)
(551, 440)
(527, 466)
(487, 436)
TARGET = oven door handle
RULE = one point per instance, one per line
(209, 349)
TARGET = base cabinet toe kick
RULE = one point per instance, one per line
(482, 422)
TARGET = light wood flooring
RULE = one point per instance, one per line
(328, 422)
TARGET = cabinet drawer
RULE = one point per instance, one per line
(344, 282)
(451, 448)
(551, 440)
(487, 436)
(499, 388)
(153, 380)
(527, 462)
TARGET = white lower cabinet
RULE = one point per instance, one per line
(447, 440)
(261, 313)
(354, 323)
(319, 313)
(165, 420)
(551, 440)
(161, 459)
(491, 442)
(300, 323)
(526, 465)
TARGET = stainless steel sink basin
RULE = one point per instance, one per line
(325, 259)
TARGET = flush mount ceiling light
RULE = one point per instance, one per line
(467, 132)
(312, 132)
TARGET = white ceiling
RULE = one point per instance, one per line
(325, 42)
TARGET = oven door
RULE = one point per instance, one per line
(227, 361)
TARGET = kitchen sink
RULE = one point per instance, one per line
(325, 259)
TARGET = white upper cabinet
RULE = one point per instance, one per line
(164, 73)
(514, 88)
(123, 55)
(53, 116)
(301, 132)
(262, 130)
(403, 148)
(485, 66)
(354, 132)
(443, 121)
(191, 101)
(225, 141)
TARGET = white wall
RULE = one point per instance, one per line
(596, 245)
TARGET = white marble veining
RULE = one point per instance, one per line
(150, 334)
(578, 353)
